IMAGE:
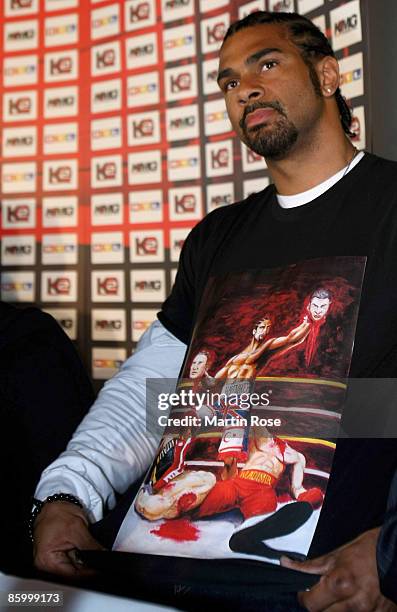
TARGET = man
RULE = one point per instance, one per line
(245, 364)
(44, 394)
(280, 80)
(253, 490)
(319, 305)
(259, 351)
(187, 490)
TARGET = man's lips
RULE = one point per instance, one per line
(259, 116)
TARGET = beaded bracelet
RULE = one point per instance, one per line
(52, 498)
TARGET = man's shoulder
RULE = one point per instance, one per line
(377, 183)
(19, 325)
(232, 212)
(380, 167)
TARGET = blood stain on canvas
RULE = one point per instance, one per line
(180, 530)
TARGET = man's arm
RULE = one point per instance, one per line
(109, 450)
(294, 337)
(298, 462)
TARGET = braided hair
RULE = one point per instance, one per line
(310, 41)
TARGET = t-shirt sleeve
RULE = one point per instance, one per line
(177, 311)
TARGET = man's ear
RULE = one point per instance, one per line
(328, 73)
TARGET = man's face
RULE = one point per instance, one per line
(261, 329)
(198, 365)
(269, 94)
(318, 308)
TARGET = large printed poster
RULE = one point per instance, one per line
(243, 466)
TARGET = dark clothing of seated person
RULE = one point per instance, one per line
(44, 393)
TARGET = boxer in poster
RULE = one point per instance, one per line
(261, 349)
(258, 353)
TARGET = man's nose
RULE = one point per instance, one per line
(249, 90)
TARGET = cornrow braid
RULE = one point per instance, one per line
(310, 41)
(344, 112)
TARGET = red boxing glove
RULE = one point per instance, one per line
(314, 496)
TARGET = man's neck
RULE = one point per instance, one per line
(253, 345)
(307, 167)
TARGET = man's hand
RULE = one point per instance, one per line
(59, 529)
(349, 579)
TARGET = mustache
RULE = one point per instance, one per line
(250, 108)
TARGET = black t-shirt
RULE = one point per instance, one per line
(356, 217)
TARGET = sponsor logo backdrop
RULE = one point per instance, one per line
(115, 142)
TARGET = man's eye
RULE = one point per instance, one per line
(268, 65)
(231, 85)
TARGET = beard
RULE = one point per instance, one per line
(272, 143)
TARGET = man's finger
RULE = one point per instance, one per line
(320, 566)
(82, 571)
(331, 589)
(75, 559)
(66, 564)
(71, 555)
(62, 558)
(316, 599)
(380, 604)
(352, 604)
(87, 542)
(56, 563)
(347, 606)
